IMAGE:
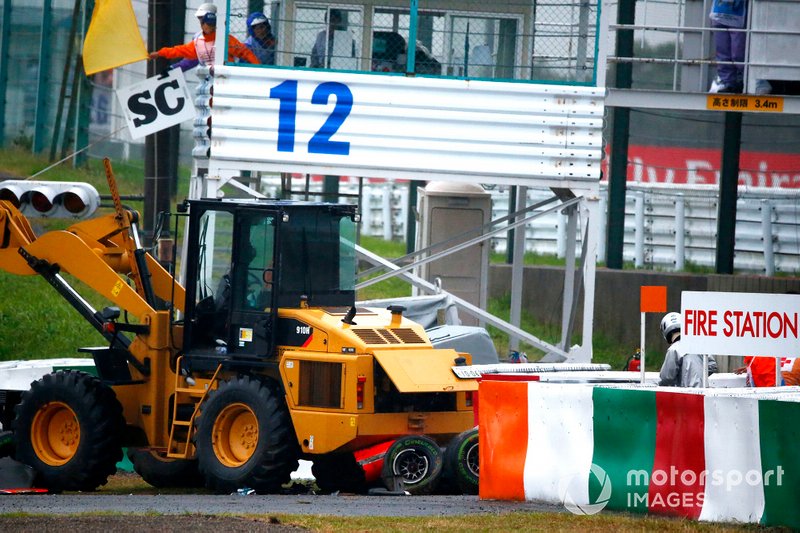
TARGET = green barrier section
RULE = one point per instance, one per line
(780, 442)
(624, 442)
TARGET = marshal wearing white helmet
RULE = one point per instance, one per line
(204, 9)
(681, 369)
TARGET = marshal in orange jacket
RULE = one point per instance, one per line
(202, 48)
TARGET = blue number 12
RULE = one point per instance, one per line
(321, 142)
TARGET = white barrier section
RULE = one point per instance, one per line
(732, 445)
(559, 426)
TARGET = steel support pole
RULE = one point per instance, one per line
(517, 269)
(5, 56)
(512, 202)
(728, 188)
(618, 167)
(43, 78)
(161, 148)
(411, 217)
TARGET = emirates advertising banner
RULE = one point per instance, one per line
(740, 323)
(701, 166)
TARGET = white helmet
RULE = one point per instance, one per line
(671, 322)
(204, 9)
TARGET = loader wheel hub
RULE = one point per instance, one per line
(235, 435)
(55, 433)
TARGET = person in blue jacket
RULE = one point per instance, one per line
(260, 39)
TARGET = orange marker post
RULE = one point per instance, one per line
(652, 299)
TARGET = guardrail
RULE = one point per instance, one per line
(667, 227)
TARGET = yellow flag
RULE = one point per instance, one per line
(113, 38)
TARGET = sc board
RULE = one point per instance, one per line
(156, 103)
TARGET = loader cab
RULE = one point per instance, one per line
(248, 258)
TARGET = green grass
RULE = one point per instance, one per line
(37, 323)
(392, 287)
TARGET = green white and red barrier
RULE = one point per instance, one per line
(713, 454)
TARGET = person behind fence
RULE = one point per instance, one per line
(679, 368)
(323, 51)
(202, 46)
(260, 39)
(729, 46)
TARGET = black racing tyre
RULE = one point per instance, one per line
(163, 472)
(461, 461)
(69, 428)
(245, 437)
(416, 460)
(339, 471)
(6, 443)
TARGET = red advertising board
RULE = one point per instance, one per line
(701, 166)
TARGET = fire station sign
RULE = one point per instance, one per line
(737, 323)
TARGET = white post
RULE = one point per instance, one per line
(766, 235)
(680, 232)
(561, 235)
(601, 230)
(387, 213)
(639, 230)
(641, 342)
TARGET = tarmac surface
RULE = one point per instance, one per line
(332, 505)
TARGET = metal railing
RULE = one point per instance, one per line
(667, 227)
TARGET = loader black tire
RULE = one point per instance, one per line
(7, 443)
(461, 467)
(416, 460)
(245, 437)
(163, 472)
(69, 428)
(339, 472)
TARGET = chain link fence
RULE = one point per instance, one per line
(535, 41)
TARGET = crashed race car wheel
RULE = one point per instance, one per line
(340, 472)
(245, 437)
(163, 472)
(461, 461)
(69, 428)
(416, 461)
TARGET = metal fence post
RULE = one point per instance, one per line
(680, 231)
(766, 229)
(638, 234)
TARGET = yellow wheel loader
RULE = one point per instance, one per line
(258, 359)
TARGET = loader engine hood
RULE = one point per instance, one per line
(423, 370)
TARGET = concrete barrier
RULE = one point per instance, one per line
(713, 454)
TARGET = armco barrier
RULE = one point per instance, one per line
(715, 454)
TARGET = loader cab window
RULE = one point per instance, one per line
(253, 281)
(317, 259)
(254, 263)
(231, 257)
(209, 261)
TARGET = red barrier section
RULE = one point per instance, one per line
(676, 486)
(503, 437)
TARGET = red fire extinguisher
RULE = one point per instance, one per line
(634, 362)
